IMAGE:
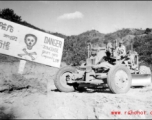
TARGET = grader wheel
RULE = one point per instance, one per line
(61, 78)
(119, 79)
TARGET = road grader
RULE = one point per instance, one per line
(104, 70)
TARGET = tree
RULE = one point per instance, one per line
(9, 14)
(147, 31)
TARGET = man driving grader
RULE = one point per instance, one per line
(119, 53)
(121, 50)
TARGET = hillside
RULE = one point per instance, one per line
(92, 35)
(75, 48)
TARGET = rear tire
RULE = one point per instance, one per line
(60, 79)
(119, 79)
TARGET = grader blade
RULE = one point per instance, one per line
(141, 79)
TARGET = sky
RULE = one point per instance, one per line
(76, 17)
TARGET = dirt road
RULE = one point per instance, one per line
(33, 103)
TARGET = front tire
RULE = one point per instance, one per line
(119, 79)
(60, 79)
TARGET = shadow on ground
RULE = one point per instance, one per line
(89, 90)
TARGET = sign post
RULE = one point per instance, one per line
(21, 66)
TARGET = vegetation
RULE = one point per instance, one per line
(143, 45)
(75, 46)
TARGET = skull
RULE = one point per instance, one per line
(30, 41)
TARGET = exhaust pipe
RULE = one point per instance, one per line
(141, 79)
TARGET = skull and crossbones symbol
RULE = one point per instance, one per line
(30, 40)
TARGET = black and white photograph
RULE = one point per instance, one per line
(75, 60)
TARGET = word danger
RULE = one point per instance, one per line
(53, 42)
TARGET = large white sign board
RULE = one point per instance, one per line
(29, 44)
